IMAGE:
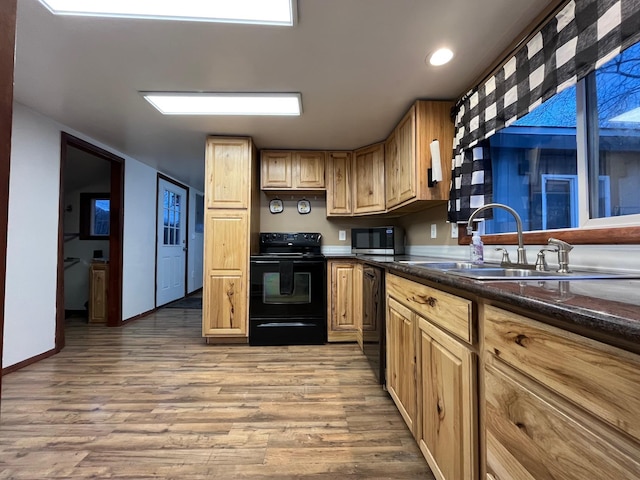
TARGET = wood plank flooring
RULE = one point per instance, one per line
(152, 400)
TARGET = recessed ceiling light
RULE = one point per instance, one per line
(225, 103)
(268, 12)
(440, 57)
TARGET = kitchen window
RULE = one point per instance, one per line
(575, 160)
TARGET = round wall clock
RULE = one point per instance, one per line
(304, 206)
(276, 206)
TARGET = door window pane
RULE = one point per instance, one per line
(171, 218)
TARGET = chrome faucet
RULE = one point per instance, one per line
(522, 254)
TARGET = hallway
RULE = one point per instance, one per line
(152, 400)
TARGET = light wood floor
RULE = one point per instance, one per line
(151, 400)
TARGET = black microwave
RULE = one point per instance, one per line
(377, 241)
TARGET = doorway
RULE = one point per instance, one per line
(91, 209)
(171, 243)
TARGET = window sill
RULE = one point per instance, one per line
(596, 236)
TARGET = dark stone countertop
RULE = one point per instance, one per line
(606, 310)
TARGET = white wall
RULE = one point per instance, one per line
(139, 251)
(32, 241)
(195, 253)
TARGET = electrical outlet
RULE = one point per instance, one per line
(342, 235)
(454, 230)
(434, 230)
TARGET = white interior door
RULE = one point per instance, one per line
(172, 242)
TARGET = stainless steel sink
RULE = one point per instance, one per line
(442, 265)
(507, 273)
(494, 272)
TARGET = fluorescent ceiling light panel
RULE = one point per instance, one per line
(267, 12)
(225, 103)
(631, 116)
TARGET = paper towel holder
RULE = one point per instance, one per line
(430, 181)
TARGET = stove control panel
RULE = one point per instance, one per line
(291, 239)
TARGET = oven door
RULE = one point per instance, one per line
(286, 288)
(288, 302)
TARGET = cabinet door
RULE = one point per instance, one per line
(406, 145)
(309, 170)
(225, 294)
(227, 173)
(391, 170)
(447, 431)
(368, 180)
(533, 434)
(345, 302)
(98, 283)
(276, 170)
(339, 183)
(401, 360)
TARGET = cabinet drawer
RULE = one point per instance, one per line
(449, 312)
(531, 435)
(601, 379)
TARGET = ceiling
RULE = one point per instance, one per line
(359, 64)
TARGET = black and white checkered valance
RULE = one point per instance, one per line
(584, 35)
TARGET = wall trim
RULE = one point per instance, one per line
(139, 316)
(29, 361)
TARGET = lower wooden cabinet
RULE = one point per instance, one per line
(557, 406)
(447, 434)
(225, 292)
(344, 309)
(98, 287)
(401, 360)
(432, 375)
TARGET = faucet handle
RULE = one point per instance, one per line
(505, 256)
(541, 261)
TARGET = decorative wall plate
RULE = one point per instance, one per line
(304, 206)
(276, 206)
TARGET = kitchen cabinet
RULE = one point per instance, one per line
(391, 170)
(401, 359)
(368, 180)
(339, 184)
(230, 235)
(98, 288)
(557, 405)
(227, 173)
(372, 306)
(432, 374)
(292, 170)
(408, 156)
(345, 300)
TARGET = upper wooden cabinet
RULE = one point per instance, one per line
(339, 183)
(292, 170)
(408, 156)
(368, 180)
(227, 178)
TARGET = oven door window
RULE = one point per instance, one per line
(273, 294)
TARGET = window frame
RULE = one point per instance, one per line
(86, 203)
(624, 229)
